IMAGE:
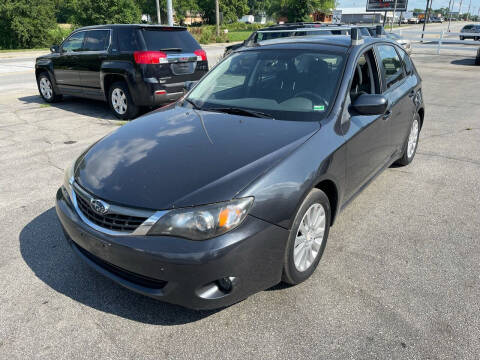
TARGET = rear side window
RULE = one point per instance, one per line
(407, 62)
(391, 65)
(74, 42)
(127, 39)
(97, 40)
(175, 39)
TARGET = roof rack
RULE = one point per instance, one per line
(356, 37)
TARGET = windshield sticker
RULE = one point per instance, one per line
(318, 108)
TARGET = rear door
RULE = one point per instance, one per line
(64, 66)
(95, 51)
(180, 57)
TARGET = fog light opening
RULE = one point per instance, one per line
(225, 284)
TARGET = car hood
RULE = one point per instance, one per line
(181, 157)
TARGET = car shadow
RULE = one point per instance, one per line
(466, 62)
(47, 253)
(80, 106)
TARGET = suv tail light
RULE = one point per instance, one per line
(201, 55)
(150, 57)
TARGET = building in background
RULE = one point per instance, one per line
(360, 16)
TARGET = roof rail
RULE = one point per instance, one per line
(379, 31)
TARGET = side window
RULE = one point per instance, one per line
(365, 78)
(128, 39)
(391, 64)
(74, 42)
(407, 62)
(97, 40)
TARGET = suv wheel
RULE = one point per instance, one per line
(46, 88)
(121, 102)
(411, 143)
(308, 238)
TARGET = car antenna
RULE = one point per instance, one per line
(356, 36)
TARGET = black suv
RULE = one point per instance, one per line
(130, 66)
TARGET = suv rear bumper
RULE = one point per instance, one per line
(181, 271)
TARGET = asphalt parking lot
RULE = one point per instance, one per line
(399, 278)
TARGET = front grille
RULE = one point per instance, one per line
(124, 274)
(111, 221)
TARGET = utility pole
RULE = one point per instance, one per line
(385, 18)
(459, 9)
(159, 20)
(426, 17)
(217, 17)
(393, 18)
(170, 12)
(468, 11)
(449, 15)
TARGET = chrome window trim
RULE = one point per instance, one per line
(141, 230)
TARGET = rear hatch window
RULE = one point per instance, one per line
(169, 39)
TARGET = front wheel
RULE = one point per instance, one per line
(410, 147)
(308, 238)
(47, 92)
(462, 37)
(121, 102)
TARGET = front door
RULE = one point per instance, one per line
(368, 136)
(64, 65)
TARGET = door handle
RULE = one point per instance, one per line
(411, 94)
(387, 115)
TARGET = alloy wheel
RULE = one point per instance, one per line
(119, 101)
(310, 236)
(412, 139)
(46, 88)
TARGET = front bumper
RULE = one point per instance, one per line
(181, 271)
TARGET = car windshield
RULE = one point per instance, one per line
(288, 84)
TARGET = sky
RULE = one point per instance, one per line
(420, 4)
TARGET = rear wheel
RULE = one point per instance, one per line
(46, 89)
(411, 143)
(121, 102)
(308, 238)
(462, 37)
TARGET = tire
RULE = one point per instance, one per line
(462, 38)
(476, 38)
(411, 143)
(45, 87)
(297, 270)
(477, 61)
(121, 102)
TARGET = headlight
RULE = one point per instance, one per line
(203, 222)
(69, 177)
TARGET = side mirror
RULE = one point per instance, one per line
(370, 104)
(54, 48)
(188, 85)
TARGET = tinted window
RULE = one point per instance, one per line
(261, 36)
(97, 40)
(74, 42)
(156, 39)
(127, 39)
(287, 84)
(392, 66)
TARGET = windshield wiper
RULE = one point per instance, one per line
(193, 103)
(241, 111)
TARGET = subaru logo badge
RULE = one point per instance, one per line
(99, 206)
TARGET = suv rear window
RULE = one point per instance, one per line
(162, 39)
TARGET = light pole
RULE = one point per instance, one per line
(449, 15)
(170, 12)
(459, 9)
(468, 11)
(159, 20)
(427, 14)
(217, 17)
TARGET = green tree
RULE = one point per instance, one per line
(299, 10)
(93, 12)
(26, 23)
(231, 10)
